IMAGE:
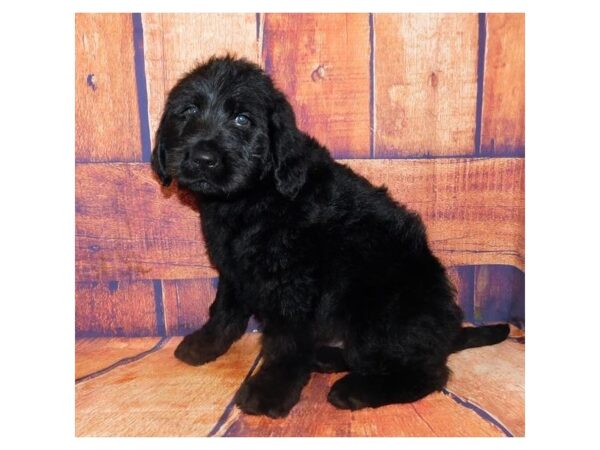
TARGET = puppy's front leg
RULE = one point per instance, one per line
(276, 387)
(228, 319)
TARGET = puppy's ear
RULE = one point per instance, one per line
(159, 157)
(287, 148)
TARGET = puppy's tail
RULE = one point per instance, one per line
(479, 336)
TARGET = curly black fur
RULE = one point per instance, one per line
(339, 274)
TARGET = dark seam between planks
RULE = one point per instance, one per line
(229, 407)
(386, 155)
(260, 22)
(475, 312)
(485, 415)
(257, 28)
(264, 55)
(481, 44)
(371, 86)
(159, 307)
(141, 84)
(122, 362)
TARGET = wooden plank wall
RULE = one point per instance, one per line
(432, 105)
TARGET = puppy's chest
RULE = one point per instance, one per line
(261, 252)
(256, 250)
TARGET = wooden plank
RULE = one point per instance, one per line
(473, 208)
(94, 354)
(503, 124)
(131, 229)
(175, 43)
(425, 84)
(107, 126)
(494, 379)
(186, 304)
(321, 62)
(115, 309)
(127, 227)
(161, 396)
(499, 295)
(462, 278)
(435, 415)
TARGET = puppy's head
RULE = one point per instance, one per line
(224, 129)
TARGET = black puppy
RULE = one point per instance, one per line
(339, 274)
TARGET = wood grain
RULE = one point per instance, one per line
(494, 378)
(115, 309)
(130, 229)
(321, 62)
(107, 126)
(93, 354)
(425, 84)
(127, 227)
(161, 396)
(435, 415)
(186, 304)
(499, 294)
(473, 208)
(175, 43)
(463, 279)
(503, 124)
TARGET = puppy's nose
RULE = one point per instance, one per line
(205, 159)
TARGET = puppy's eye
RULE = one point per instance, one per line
(190, 110)
(242, 120)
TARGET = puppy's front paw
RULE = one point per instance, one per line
(252, 399)
(262, 395)
(196, 350)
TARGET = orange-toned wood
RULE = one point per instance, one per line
(115, 309)
(186, 304)
(503, 124)
(175, 43)
(128, 228)
(161, 396)
(517, 333)
(473, 208)
(107, 124)
(321, 62)
(462, 279)
(493, 378)
(425, 84)
(435, 415)
(93, 354)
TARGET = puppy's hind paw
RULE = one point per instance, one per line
(343, 394)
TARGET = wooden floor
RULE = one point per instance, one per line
(136, 387)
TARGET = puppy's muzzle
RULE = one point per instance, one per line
(204, 160)
(200, 161)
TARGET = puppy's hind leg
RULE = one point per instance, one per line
(395, 356)
(356, 391)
